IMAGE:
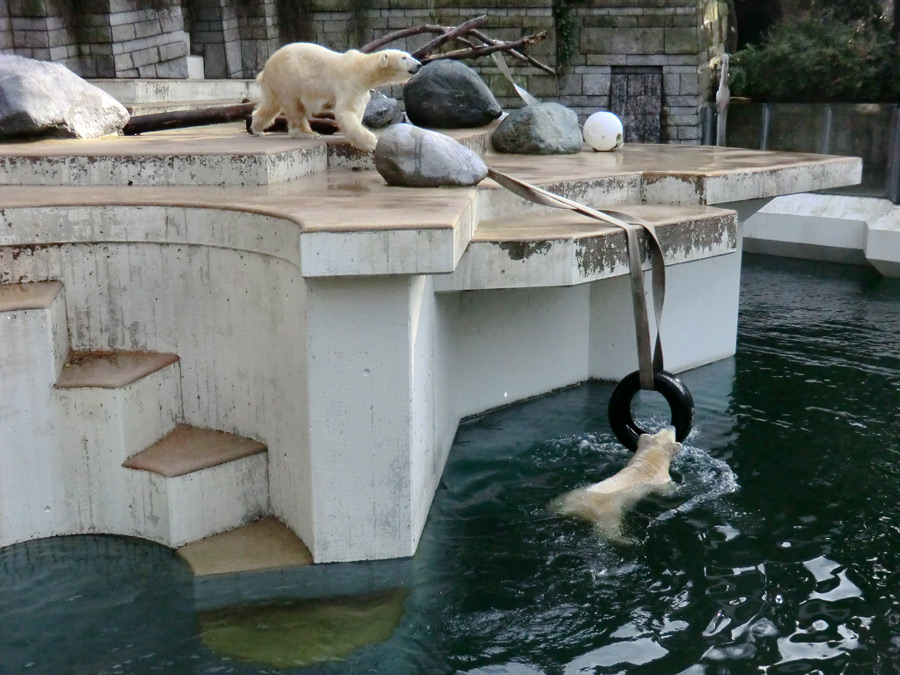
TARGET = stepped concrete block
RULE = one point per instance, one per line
(195, 483)
(831, 228)
(34, 343)
(883, 243)
(262, 545)
(33, 327)
(112, 404)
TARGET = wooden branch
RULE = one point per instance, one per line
(178, 119)
(515, 54)
(462, 34)
(451, 34)
(375, 45)
(471, 53)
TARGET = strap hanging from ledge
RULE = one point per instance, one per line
(650, 359)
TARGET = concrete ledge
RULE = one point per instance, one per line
(38, 295)
(187, 449)
(564, 248)
(830, 228)
(261, 545)
(883, 243)
(110, 370)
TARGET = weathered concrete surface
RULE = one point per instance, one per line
(833, 228)
(563, 248)
(308, 315)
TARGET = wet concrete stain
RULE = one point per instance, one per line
(523, 250)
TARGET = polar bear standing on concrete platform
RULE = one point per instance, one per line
(304, 79)
(605, 503)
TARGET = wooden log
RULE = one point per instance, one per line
(179, 119)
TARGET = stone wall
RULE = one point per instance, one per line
(651, 61)
(671, 45)
(125, 38)
(107, 38)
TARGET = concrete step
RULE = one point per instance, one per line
(195, 483)
(110, 369)
(122, 401)
(112, 405)
(33, 345)
(187, 449)
(34, 328)
(261, 545)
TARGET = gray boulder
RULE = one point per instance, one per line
(414, 157)
(447, 94)
(39, 98)
(382, 111)
(540, 129)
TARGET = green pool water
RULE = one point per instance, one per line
(779, 552)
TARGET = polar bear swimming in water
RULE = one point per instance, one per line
(606, 503)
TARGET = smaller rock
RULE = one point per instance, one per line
(447, 94)
(382, 111)
(414, 157)
(540, 129)
(40, 98)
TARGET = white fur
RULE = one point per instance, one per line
(303, 79)
(605, 503)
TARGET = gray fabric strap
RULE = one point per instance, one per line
(649, 359)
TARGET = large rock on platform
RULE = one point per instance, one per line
(414, 157)
(541, 129)
(447, 94)
(40, 99)
(382, 111)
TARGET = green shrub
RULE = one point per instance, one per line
(819, 59)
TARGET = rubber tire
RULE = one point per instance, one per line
(681, 405)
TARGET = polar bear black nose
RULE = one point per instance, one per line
(414, 68)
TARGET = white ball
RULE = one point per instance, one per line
(603, 131)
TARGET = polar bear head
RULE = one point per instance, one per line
(394, 67)
(661, 443)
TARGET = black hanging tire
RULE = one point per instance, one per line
(681, 405)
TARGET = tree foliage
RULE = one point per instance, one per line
(820, 58)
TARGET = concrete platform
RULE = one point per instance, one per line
(833, 228)
(346, 324)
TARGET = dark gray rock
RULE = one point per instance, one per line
(382, 111)
(40, 99)
(540, 129)
(448, 94)
(414, 157)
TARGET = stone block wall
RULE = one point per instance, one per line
(234, 37)
(126, 38)
(681, 39)
(656, 56)
(113, 38)
(39, 30)
(6, 41)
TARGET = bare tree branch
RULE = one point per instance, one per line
(400, 34)
(453, 33)
(462, 34)
(474, 52)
